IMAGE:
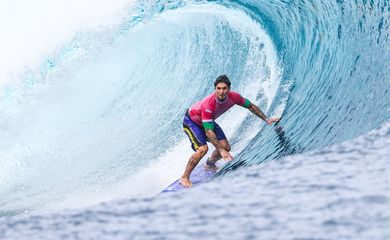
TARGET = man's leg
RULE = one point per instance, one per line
(194, 160)
(215, 156)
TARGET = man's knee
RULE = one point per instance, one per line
(202, 150)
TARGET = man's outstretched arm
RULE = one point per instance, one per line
(256, 110)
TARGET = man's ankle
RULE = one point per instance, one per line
(210, 163)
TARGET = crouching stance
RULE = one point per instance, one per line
(200, 127)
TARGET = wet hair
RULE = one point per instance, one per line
(222, 79)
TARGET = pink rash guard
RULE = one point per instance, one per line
(210, 108)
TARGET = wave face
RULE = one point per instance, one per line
(100, 119)
(334, 53)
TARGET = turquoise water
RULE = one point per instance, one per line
(86, 146)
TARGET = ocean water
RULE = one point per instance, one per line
(92, 101)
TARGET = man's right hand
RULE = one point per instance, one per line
(226, 155)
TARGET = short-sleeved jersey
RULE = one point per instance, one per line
(210, 108)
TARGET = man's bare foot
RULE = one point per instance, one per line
(210, 168)
(185, 182)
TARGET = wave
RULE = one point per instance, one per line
(100, 118)
(333, 54)
(96, 119)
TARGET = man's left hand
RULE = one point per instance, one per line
(272, 120)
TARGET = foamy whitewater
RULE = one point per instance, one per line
(92, 97)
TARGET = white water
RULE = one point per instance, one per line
(32, 30)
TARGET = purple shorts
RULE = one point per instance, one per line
(196, 133)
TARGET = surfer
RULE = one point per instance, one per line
(200, 127)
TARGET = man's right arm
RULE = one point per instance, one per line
(208, 125)
(213, 139)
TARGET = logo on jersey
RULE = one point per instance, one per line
(208, 110)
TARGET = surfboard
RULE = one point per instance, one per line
(198, 176)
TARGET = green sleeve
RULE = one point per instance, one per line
(247, 103)
(208, 125)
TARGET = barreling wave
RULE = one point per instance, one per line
(336, 55)
(108, 105)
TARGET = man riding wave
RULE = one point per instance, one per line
(200, 127)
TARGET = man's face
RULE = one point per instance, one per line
(222, 90)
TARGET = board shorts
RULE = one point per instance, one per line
(197, 134)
